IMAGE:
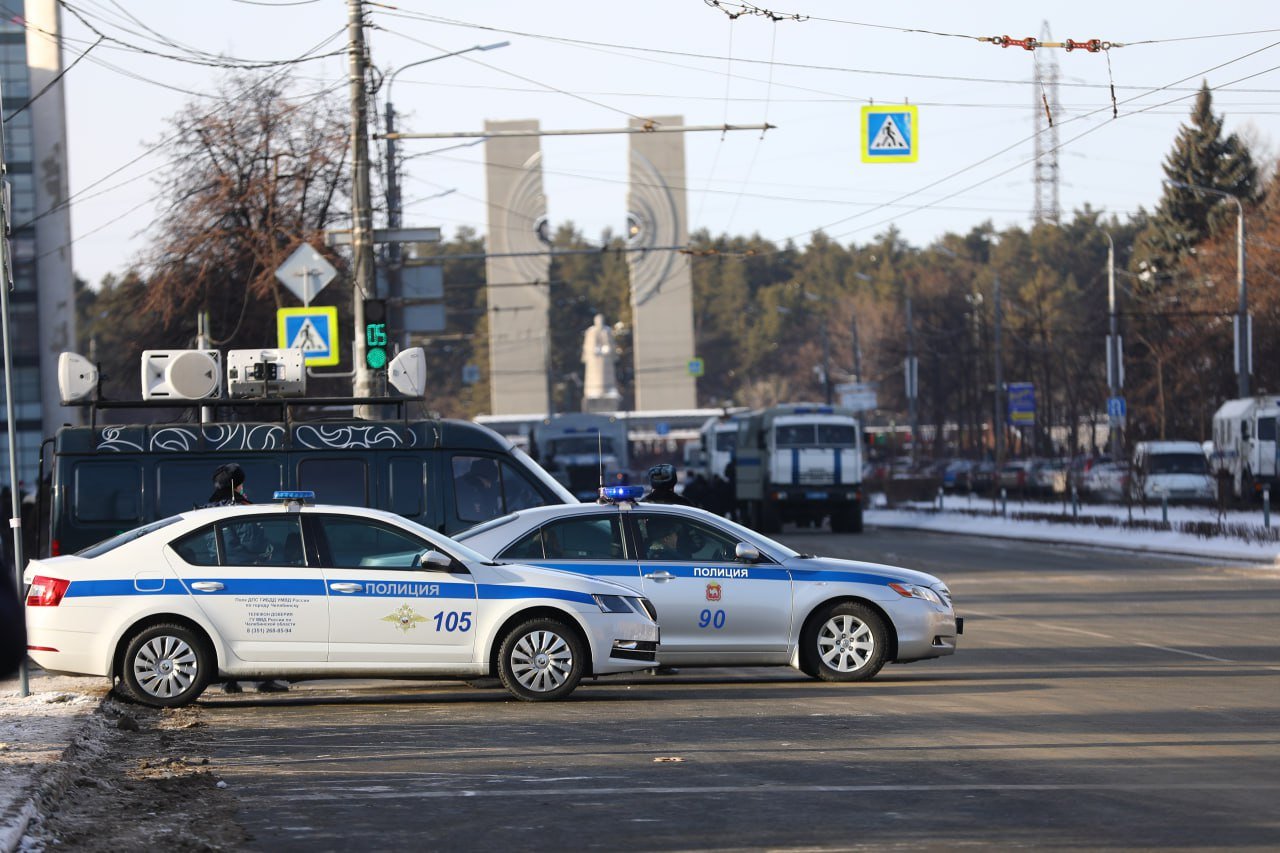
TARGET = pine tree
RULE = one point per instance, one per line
(1203, 157)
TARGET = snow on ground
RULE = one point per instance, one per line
(979, 516)
(35, 730)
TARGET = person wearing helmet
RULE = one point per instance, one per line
(662, 486)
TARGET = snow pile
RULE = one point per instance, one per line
(970, 516)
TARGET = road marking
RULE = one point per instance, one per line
(771, 789)
(1101, 636)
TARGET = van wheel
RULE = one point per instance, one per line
(541, 659)
(166, 666)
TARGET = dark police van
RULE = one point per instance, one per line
(446, 474)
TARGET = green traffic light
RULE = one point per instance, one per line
(376, 358)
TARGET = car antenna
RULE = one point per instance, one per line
(600, 455)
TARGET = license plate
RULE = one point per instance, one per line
(816, 496)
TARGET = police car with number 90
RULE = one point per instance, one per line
(727, 595)
(304, 592)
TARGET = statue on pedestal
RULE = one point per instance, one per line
(600, 384)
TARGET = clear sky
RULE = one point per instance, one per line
(576, 64)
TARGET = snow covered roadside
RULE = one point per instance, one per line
(35, 732)
(976, 522)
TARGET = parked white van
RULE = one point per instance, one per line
(1176, 470)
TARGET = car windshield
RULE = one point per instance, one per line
(1177, 463)
(580, 445)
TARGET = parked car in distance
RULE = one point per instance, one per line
(1049, 477)
(1016, 473)
(957, 476)
(1173, 470)
(309, 592)
(1107, 481)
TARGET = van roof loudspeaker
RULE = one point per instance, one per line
(77, 378)
(181, 374)
(407, 372)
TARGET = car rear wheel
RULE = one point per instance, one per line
(541, 659)
(845, 641)
(166, 666)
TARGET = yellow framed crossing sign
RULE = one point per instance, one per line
(314, 330)
(890, 134)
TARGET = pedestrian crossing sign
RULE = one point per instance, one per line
(890, 134)
(314, 330)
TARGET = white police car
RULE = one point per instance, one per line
(727, 595)
(293, 591)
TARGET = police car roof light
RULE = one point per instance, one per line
(293, 495)
(621, 493)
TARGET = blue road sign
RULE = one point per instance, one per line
(890, 134)
(1022, 403)
(696, 367)
(1116, 408)
(314, 330)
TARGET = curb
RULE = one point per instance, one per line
(1032, 536)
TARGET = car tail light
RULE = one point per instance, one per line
(46, 592)
(55, 548)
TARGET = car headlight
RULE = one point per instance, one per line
(614, 603)
(911, 590)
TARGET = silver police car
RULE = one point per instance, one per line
(729, 596)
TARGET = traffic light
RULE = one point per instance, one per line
(375, 333)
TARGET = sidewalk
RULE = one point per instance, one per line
(35, 733)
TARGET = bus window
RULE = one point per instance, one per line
(408, 485)
(344, 482)
(108, 491)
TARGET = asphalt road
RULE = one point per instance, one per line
(1098, 700)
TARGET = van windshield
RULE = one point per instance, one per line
(1177, 463)
(1266, 429)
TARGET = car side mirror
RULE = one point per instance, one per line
(746, 553)
(433, 559)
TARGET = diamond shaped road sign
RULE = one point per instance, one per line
(305, 273)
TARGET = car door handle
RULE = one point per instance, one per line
(346, 587)
(662, 575)
(207, 586)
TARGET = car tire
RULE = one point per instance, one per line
(844, 641)
(166, 666)
(541, 659)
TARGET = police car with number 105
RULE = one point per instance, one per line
(296, 591)
(730, 596)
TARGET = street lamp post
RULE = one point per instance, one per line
(1115, 368)
(1243, 332)
(394, 205)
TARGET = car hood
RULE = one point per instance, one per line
(538, 576)
(858, 570)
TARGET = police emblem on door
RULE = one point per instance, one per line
(405, 618)
(714, 591)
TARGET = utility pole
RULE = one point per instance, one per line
(364, 283)
(826, 361)
(912, 373)
(997, 425)
(857, 350)
(1115, 370)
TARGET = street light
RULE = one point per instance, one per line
(394, 250)
(1243, 336)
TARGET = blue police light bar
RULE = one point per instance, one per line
(621, 493)
(293, 495)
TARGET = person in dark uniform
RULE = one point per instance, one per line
(228, 490)
(662, 487)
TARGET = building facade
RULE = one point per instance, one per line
(42, 299)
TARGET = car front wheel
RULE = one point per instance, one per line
(541, 659)
(845, 641)
(166, 666)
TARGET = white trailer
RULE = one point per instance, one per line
(1244, 444)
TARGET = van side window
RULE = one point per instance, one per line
(477, 491)
(517, 491)
(108, 491)
(183, 484)
(336, 481)
(408, 485)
